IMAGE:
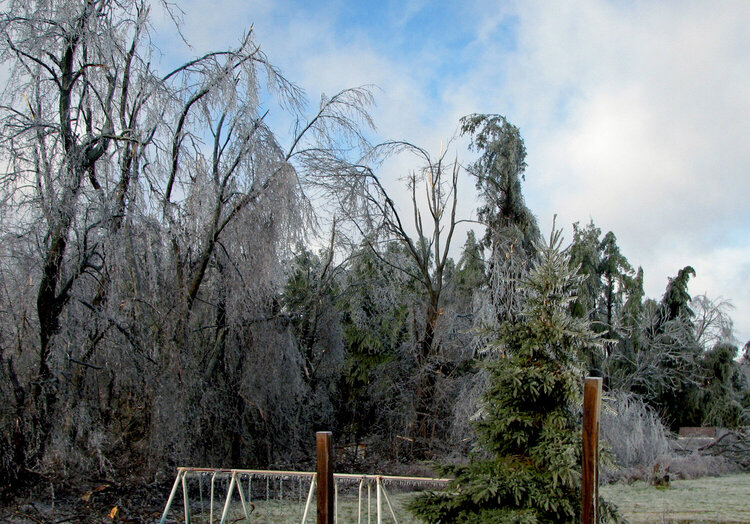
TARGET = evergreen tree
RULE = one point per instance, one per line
(512, 230)
(308, 300)
(499, 172)
(633, 307)
(528, 467)
(308, 297)
(375, 306)
(607, 284)
(584, 255)
(661, 361)
(469, 290)
(470, 268)
(617, 277)
(676, 299)
(675, 336)
(724, 387)
(627, 354)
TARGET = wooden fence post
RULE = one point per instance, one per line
(324, 448)
(592, 394)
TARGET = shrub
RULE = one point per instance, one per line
(633, 435)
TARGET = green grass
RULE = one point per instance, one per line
(290, 511)
(708, 499)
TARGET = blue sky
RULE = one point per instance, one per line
(635, 114)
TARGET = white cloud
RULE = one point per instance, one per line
(635, 114)
(637, 117)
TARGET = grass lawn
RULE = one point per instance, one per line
(279, 513)
(708, 499)
(290, 510)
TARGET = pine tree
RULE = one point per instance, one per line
(586, 256)
(676, 299)
(375, 307)
(527, 469)
(617, 276)
(511, 228)
(672, 384)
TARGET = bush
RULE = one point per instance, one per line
(633, 434)
(697, 465)
(635, 440)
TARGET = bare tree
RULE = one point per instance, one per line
(143, 216)
(661, 366)
(426, 234)
(712, 321)
(59, 120)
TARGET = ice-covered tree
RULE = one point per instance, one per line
(527, 464)
(511, 228)
(144, 211)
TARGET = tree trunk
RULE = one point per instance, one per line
(425, 401)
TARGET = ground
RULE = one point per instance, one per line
(708, 499)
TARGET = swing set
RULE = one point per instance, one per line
(326, 484)
(263, 494)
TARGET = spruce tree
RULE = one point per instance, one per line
(527, 465)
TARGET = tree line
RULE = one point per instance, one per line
(161, 303)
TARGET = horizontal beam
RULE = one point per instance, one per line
(274, 473)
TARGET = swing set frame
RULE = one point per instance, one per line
(236, 477)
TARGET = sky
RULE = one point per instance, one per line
(635, 114)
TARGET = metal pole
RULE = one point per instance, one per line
(592, 394)
(324, 452)
(388, 501)
(171, 496)
(228, 501)
(185, 499)
(242, 499)
(211, 505)
(309, 500)
(200, 495)
(380, 502)
(335, 502)
(359, 502)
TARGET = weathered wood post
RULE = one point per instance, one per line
(324, 447)
(592, 394)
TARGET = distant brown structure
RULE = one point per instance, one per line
(688, 432)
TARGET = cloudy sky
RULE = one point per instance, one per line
(635, 113)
